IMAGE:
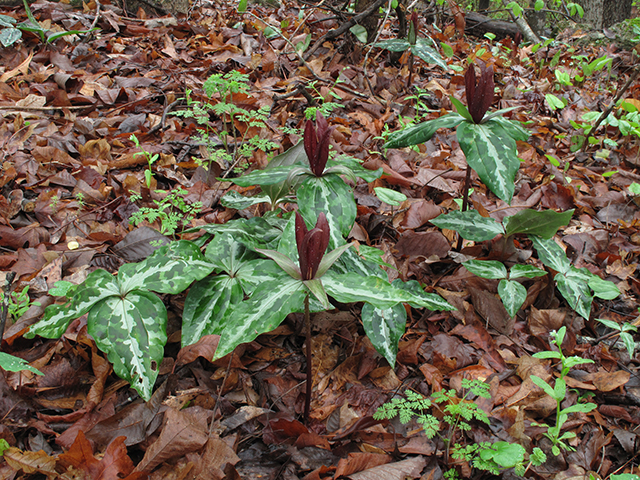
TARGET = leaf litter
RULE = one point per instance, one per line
(69, 169)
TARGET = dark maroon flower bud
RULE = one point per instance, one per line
(517, 39)
(480, 94)
(311, 244)
(413, 29)
(316, 143)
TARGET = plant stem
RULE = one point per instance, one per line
(465, 201)
(307, 399)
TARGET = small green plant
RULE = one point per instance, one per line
(512, 293)
(172, 211)
(488, 141)
(19, 303)
(622, 331)
(233, 143)
(419, 47)
(456, 415)
(151, 159)
(4, 445)
(559, 392)
(80, 199)
(577, 285)
(12, 32)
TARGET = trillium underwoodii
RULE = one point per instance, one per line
(479, 93)
(313, 263)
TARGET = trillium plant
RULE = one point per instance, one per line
(488, 141)
(251, 275)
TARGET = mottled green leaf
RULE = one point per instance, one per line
(486, 268)
(545, 224)
(233, 199)
(575, 289)
(132, 331)
(98, 285)
(264, 311)
(551, 254)
(328, 194)
(170, 269)
(470, 225)
(270, 176)
(384, 328)
(359, 32)
(393, 44)
(16, 364)
(256, 232)
(513, 128)
(491, 152)
(513, 295)
(527, 271)
(422, 132)
(417, 297)
(207, 301)
(424, 50)
(9, 36)
(225, 253)
(355, 165)
(350, 287)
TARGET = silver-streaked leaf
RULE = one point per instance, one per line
(226, 253)
(328, 194)
(422, 132)
(603, 288)
(233, 199)
(256, 232)
(393, 44)
(132, 331)
(426, 52)
(98, 285)
(384, 328)
(170, 269)
(551, 254)
(351, 287)
(263, 312)
(270, 176)
(470, 225)
(576, 291)
(513, 295)
(486, 268)
(526, 271)
(207, 301)
(492, 153)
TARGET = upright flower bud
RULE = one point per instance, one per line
(316, 143)
(480, 94)
(413, 29)
(311, 244)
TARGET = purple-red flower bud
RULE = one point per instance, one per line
(480, 94)
(311, 244)
(413, 28)
(316, 143)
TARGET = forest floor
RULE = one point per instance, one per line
(69, 109)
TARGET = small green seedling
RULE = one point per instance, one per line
(559, 392)
(151, 159)
(623, 331)
(19, 303)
